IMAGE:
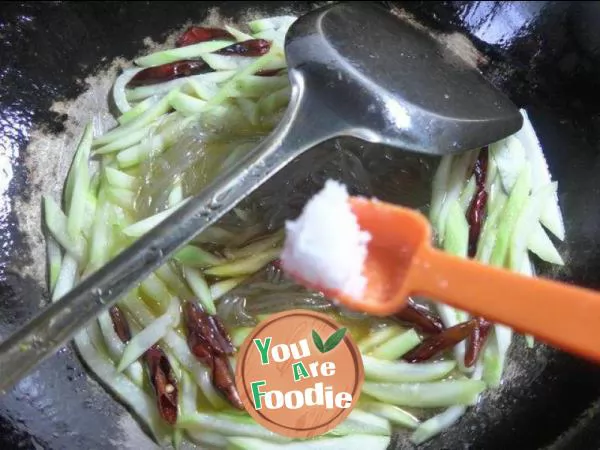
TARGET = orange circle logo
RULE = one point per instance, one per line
(299, 374)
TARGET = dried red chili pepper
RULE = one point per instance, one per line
(251, 47)
(208, 329)
(120, 324)
(164, 383)
(209, 342)
(438, 343)
(158, 366)
(170, 71)
(476, 341)
(423, 319)
(224, 382)
(475, 215)
(476, 209)
(195, 35)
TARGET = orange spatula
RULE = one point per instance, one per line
(401, 262)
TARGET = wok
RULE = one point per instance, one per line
(544, 55)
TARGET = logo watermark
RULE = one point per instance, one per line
(299, 373)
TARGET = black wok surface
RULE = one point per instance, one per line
(545, 55)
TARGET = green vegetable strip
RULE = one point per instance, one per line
(207, 439)
(457, 179)
(354, 442)
(249, 109)
(227, 62)
(200, 288)
(525, 223)
(138, 400)
(540, 243)
(137, 110)
(362, 422)
(132, 156)
(214, 235)
(254, 86)
(392, 413)
(98, 254)
(492, 177)
(122, 143)
(259, 246)
(115, 348)
(378, 337)
(248, 233)
(220, 288)
(201, 90)
(186, 104)
(251, 69)
(57, 224)
(467, 195)
(146, 118)
(174, 124)
(75, 164)
(271, 23)
(154, 288)
(143, 226)
(193, 256)
(119, 179)
(227, 425)
(510, 214)
(238, 34)
(188, 52)
(114, 345)
(118, 89)
(403, 372)
(91, 202)
(174, 362)
(275, 101)
(494, 357)
(189, 394)
(239, 335)
(80, 185)
(66, 277)
(397, 346)
(437, 424)
(54, 260)
(121, 197)
(439, 189)
(150, 335)
(154, 90)
(456, 238)
(244, 266)
(176, 194)
(427, 395)
(487, 239)
(174, 281)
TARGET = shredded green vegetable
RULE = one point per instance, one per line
(171, 140)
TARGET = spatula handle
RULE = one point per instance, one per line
(298, 131)
(564, 316)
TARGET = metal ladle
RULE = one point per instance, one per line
(356, 70)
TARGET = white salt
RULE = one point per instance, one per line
(325, 246)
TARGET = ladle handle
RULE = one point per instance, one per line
(565, 316)
(298, 131)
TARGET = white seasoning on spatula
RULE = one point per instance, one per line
(325, 246)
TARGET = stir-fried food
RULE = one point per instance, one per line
(168, 348)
